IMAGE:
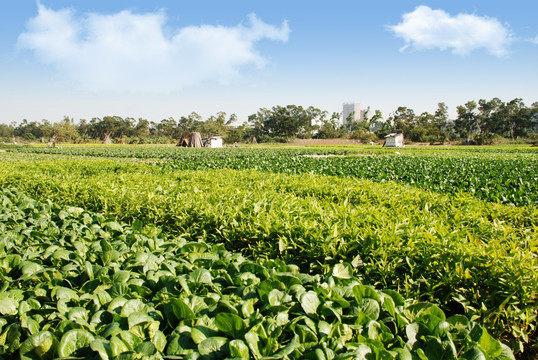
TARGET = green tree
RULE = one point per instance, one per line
(521, 120)
(6, 132)
(168, 128)
(440, 120)
(66, 130)
(329, 128)
(491, 119)
(466, 124)
(403, 119)
(142, 128)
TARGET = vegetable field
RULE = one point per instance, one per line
(336, 253)
(508, 176)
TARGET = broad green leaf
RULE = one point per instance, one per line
(370, 308)
(310, 302)
(137, 225)
(146, 348)
(74, 340)
(230, 324)
(491, 346)
(29, 268)
(181, 310)
(30, 324)
(253, 340)
(435, 311)
(342, 271)
(285, 351)
(275, 297)
(121, 276)
(102, 347)
(404, 354)
(506, 354)
(458, 321)
(388, 304)
(111, 329)
(116, 305)
(396, 297)
(132, 306)
(200, 333)
(41, 346)
(63, 293)
(247, 309)
(8, 305)
(288, 279)
(215, 346)
(238, 349)
(63, 254)
(115, 226)
(412, 331)
(77, 313)
(201, 276)
(130, 339)
(118, 346)
(119, 290)
(361, 291)
(11, 337)
(474, 354)
(426, 309)
(159, 340)
(137, 318)
(373, 329)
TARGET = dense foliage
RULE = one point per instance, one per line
(77, 284)
(479, 123)
(506, 175)
(466, 255)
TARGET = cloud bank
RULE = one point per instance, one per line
(425, 28)
(137, 52)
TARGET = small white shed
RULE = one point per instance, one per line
(394, 140)
(214, 142)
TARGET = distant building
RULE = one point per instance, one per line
(213, 142)
(367, 115)
(394, 140)
(353, 110)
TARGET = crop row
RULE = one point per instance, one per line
(509, 178)
(77, 284)
(509, 181)
(466, 255)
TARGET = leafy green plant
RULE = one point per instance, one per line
(467, 256)
(496, 174)
(78, 284)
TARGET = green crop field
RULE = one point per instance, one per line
(280, 253)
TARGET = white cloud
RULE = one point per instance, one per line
(425, 28)
(132, 52)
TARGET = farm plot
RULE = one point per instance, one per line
(468, 256)
(79, 285)
(506, 175)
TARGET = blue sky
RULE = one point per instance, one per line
(162, 58)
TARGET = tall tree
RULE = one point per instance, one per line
(440, 120)
(66, 130)
(466, 124)
(491, 118)
(404, 119)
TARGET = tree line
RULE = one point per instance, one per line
(476, 122)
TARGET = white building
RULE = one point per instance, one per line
(353, 109)
(394, 140)
(214, 142)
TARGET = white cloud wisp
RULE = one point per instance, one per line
(425, 28)
(131, 52)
